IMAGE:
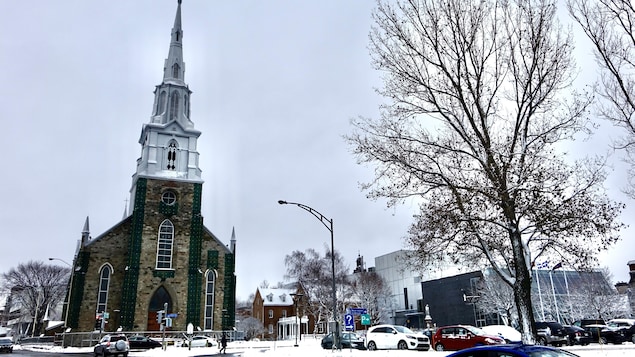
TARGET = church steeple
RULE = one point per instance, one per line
(169, 140)
(174, 68)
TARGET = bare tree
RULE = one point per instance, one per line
(595, 298)
(496, 297)
(370, 291)
(610, 25)
(314, 272)
(252, 327)
(478, 105)
(34, 287)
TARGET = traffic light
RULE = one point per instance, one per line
(160, 317)
(98, 324)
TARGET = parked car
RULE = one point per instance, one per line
(621, 324)
(629, 334)
(605, 334)
(200, 341)
(6, 344)
(112, 345)
(348, 340)
(577, 335)
(395, 337)
(139, 342)
(508, 333)
(550, 333)
(458, 337)
(515, 350)
(585, 322)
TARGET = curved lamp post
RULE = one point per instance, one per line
(70, 287)
(328, 223)
(297, 297)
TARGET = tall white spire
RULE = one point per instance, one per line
(169, 140)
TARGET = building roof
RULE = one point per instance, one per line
(276, 296)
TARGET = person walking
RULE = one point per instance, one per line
(223, 343)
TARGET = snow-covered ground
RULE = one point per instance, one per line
(310, 347)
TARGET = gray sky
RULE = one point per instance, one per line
(274, 84)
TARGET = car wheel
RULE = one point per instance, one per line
(633, 338)
(541, 341)
(402, 345)
(603, 340)
(439, 347)
(372, 346)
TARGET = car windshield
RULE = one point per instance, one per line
(403, 329)
(475, 330)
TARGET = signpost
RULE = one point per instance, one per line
(365, 319)
(349, 322)
(358, 310)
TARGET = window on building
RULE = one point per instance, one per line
(172, 150)
(104, 283)
(161, 104)
(164, 246)
(168, 197)
(209, 299)
(175, 70)
(270, 329)
(271, 314)
(284, 313)
(174, 105)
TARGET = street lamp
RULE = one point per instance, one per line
(297, 297)
(328, 223)
(70, 291)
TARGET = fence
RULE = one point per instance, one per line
(88, 339)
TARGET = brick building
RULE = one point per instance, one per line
(276, 309)
(161, 253)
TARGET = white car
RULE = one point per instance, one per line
(200, 341)
(383, 337)
(508, 333)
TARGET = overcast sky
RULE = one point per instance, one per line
(274, 84)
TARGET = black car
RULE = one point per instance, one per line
(348, 339)
(577, 336)
(629, 334)
(139, 342)
(604, 334)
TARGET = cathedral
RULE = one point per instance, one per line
(160, 255)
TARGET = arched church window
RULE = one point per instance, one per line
(161, 104)
(164, 245)
(186, 107)
(175, 70)
(210, 279)
(174, 105)
(104, 283)
(172, 150)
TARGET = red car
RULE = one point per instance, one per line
(458, 337)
